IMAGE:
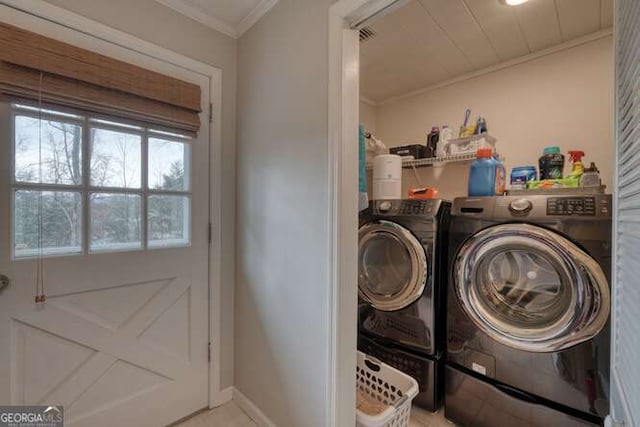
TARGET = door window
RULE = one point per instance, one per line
(84, 184)
(392, 266)
(530, 288)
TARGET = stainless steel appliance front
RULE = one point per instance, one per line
(528, 302)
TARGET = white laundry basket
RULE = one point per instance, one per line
(387, 385)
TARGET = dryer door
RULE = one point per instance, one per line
(392, 266)
(530, 288)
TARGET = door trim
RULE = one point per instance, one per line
(342, 158)
(42, 17)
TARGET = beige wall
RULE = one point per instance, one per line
(150, 21)
(563, 99)
(282, 324)
(368, 117)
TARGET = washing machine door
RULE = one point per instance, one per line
(530, 288)
(392, 266)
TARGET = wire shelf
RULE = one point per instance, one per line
(408, 163)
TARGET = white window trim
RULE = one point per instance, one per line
(61, 24)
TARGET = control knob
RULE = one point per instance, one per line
(384, 206)
(520, 206)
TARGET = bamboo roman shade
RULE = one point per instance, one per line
(34, 66)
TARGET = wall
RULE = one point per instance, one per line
(142, 18)
(563, 99)
(282, 333)
(368, 117)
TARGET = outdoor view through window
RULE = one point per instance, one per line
(86, 184)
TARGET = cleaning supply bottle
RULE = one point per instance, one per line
(363, 198)
(481, 126)
(551, 163)
(577, 168)
(591, 177)
(445, 135)
(486, 175)
(432, 141)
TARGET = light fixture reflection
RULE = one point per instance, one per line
(513, 2)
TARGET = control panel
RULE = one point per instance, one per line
(536, 206)
(574, 206)
(405, 207)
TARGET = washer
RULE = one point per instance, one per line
(402, 286)
(528, 311)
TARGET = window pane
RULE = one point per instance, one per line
(61, 222)
(115, 221)
(168, 220)
(58, 145)
(115, 159)
(168, 165)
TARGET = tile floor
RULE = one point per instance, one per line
(227, 415)
(230, 415)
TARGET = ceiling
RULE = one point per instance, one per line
(427, 42)
(231, 17)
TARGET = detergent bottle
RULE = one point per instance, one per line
(486, 175)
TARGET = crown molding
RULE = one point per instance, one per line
(368, 101)
(254, 16)
(215, 23)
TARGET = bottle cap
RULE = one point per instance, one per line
(592, 168)
(551, 150)
(576, 155)
(484, 153)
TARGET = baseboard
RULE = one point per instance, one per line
(251, 409)
(222, 397)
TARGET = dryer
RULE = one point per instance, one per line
(401, 285)
(528, 311)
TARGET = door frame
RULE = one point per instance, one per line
(61, 24)
(343, 111)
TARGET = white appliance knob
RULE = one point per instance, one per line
(385, 206)
(520, 206)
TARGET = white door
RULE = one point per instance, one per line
(625, 369)
(122, 337)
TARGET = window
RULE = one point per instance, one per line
(83, 184)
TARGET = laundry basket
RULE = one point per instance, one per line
(380, 384)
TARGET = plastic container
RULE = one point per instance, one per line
(591, 177)
(417, 151)
(469, 144)
(486, 175)
(521, 175)
(432, 142)
(445, 136)
(384, 385)
(551, 163)
(363, 198)
(422, 193)
(387, 177)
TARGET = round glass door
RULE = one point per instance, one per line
(530, 288)
(392, 266)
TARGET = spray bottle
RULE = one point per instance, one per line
(577, 168)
